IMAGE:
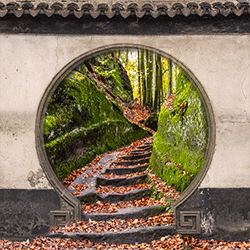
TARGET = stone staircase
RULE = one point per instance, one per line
(117, 177)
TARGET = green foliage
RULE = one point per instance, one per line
(81, 117)
(157, 195)
(109, 69)
(181, 136)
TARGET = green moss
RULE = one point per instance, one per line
(181, 137)
(109, 69)
(80, 110)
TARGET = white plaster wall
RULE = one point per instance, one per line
(29, 62)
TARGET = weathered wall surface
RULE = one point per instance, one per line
(29, 62)
(221, 63)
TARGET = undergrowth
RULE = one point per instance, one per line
(179, 144)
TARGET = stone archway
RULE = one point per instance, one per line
(73, 209)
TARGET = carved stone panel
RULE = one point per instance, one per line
(59, 218)
(189, 223)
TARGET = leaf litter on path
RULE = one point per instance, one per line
(115, 225)
(103, 207)
(120, 190)
(176, 242)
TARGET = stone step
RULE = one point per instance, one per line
(145, 147)
(139, 152)
(136, 157)
(136, 194)
(106, 161)
(90, 196)
(132, 162)
(128, 170)
(127, 236)
(118, 182)
(127, 213)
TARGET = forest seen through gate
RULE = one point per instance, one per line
(113, 99)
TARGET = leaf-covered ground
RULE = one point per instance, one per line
(174, 242)
(115, 225)
(121, 190)
(103, 207)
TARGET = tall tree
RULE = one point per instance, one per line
(149, 79)
(170, 77)
(143, 77)
(139, 73)
(158, 84)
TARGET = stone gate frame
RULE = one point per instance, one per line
(75, 213)
(191, 33)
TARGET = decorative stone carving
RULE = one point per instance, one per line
(59, 218)
(190, 222)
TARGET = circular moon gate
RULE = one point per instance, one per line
(73, 204)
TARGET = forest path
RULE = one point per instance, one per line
(122, 202)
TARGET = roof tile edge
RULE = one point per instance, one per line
(124, 9)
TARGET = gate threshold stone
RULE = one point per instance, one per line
(127, 236)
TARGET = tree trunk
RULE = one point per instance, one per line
(170, 77)
(139, 75)
(149, 92)
(143, 78)
(158, 84)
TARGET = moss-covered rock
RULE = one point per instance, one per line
(82, 122)
(181, 137)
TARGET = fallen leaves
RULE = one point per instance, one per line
(94, 171)
(115, 176)
(122, 189)
(127, 150)
(137, 113)
(79, 188)
(115, 225)
(123, 152)
(169, 242)
(46, 243)
(169, 102)
(127, 166)
(74, 174)
(103, 207)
